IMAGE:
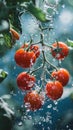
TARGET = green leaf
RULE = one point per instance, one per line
(69, 42)
(14, 19)
(3, 48)
(3, 75)
(37, 12)
(8, 40)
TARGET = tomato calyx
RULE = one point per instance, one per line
(57, 49)
(60, 50)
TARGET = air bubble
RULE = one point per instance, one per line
(20, 123)
(49, 106)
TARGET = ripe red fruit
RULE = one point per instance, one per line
(60, 50)
(24, 58)
(25, 81)
(62, 75)
(34, 48)
(54, 90)
(33, 100)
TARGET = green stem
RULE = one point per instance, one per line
(44, 57)
(50, 74)
(33, 71)
(51, 64)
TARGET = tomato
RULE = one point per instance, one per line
(60, 50)
(54, 90)
(25, 81)
(24, 58)
(15, 34)
(33, 100)
(62, 75)
(34, 48)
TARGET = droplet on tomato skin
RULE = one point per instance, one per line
(57, 55)
(27, 105)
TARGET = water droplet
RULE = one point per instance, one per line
(67, 126)
(20, 123)
(63, 6)
(49, 106)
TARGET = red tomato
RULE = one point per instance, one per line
(62, 75)
(60, 51)
(54, 90)
(25, 81)
(24, 58)
(34, 48)
(33, 100)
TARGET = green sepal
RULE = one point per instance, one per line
(69, 43)
(3, 75)
(8, 40)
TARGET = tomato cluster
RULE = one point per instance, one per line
(54, 89)
(25, 57)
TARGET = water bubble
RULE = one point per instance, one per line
(20, 123)
(49, 106)
(63, 6)
(39, 123)
(48, 128)
(67, 126)
(55, 102)
(55, 109)
(28, 110)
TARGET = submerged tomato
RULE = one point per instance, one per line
(60, 50)
(25, 59)
(33, 100)
(54, 90)
(25, 81)
(62, 75)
